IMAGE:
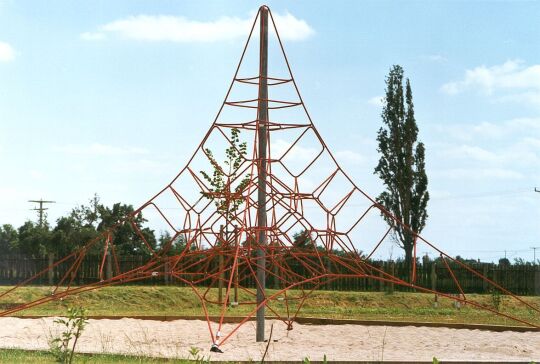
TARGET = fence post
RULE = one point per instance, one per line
(220, 266)
(434, 276)
(504, 276)
(13, 271)
(392, 269)
(381, 282)
(108, 270)
(328, 270)
(276, 276)
(166, 272)
(484, 282)
(50, 273)
(236, 271)
(425, 274)
(537, 280)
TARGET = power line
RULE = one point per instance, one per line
(40, 209)
(490, 250)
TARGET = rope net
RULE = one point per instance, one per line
(320, 226)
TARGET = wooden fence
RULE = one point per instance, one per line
(519, 279)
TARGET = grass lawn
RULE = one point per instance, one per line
(179, 301)
(42, 357)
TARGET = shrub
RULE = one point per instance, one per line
(61, 347)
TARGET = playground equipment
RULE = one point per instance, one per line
(261, 174)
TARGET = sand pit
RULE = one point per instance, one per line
(338, 342)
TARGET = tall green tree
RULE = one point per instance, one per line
(401, 165)
(125, 237)
(174, 246)
(302, 240)
(9, 239)
(70, 234)
(87, 215)
(34, 240)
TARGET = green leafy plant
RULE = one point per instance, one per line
(194, 354)
(496, 299)
(63, 347)
(227, 198)
(435, 360)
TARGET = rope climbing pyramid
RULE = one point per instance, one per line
(263, 212)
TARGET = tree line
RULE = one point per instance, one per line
(82, 224)
(86, 222)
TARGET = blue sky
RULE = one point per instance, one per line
(113, 97)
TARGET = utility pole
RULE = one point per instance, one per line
(41, 209)
(262, 121)
(534, 253)
(535, 247)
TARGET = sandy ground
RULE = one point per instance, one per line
(338, 342)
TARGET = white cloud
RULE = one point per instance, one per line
(183, 30)
(91, 36)
(530, 97)
(508, 150)
(349, 156)
(522, 153)
(292, 28)
(438, 58)
(297, 153)
(376, 101)
(97, 149)
(517, 82)
(533, 142)
(472, 152)
(7, 53)
(492, 131)
(482, 173)
(302, 154)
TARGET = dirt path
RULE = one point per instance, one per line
(338, 342)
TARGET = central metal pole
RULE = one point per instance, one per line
(262, 117)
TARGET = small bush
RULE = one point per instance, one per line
(74, 324)
(496, 299)
(194, 355)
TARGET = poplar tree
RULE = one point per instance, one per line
(401, 166)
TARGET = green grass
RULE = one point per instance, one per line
(180, 301)
(41, 357)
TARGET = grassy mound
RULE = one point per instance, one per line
(181, 301)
